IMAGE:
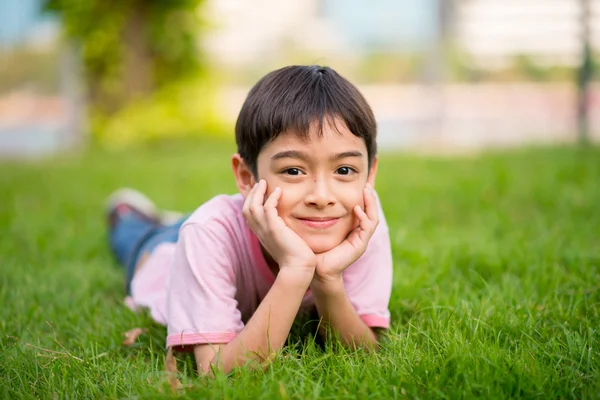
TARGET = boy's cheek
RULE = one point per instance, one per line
(271, 185)
(270, 188)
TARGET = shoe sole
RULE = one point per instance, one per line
(135, 199)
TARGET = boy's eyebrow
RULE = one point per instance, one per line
(304, 157)
(345, 154)
(290, 154)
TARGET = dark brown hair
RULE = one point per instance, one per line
(290, 99)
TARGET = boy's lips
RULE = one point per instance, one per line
(319, 223)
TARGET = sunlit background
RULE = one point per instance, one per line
(447, 76)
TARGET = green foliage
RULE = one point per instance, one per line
(533, 70)
(595, 67)
(389, 67)
(462, 67)
(182, 109)
(164, 33)
(495, 292)
(174, 28)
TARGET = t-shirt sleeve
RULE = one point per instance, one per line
(368, 281)
(201, 301)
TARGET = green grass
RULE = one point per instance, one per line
(496, 287)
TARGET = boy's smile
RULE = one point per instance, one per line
(319, 223)
(322, 180)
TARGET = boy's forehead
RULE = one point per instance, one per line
(330, 138)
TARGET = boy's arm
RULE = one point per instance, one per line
(266, 332)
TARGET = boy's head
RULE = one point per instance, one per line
(309, 131)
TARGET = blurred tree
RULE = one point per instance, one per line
(130, 47)
(585, 73)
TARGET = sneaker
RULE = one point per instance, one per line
(125, 201)
(169, 217)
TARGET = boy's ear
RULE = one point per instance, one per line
(244, 178)
(372, 172)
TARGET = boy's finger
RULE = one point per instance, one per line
(363, 218)
(251, 195)
(365, 225)
(271, 205)
(261, 192)
(273, 198)
(256, 208)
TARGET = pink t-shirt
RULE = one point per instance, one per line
(208, 285)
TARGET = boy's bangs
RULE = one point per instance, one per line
(292, 100)
(316, 99)
(302, 128)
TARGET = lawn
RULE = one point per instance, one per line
(496, 287)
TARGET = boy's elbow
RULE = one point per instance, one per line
(225, 362)
(371, 342)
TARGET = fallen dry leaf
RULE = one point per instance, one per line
(132, 335)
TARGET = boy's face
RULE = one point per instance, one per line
(322, 180)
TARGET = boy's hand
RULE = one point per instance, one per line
(283, 244)
(332, 263)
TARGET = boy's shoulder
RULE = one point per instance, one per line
(221, 208)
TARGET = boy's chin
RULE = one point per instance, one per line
(322, 246)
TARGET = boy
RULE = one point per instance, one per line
(306, 230)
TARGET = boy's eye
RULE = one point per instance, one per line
(292, 171)
(345, 170)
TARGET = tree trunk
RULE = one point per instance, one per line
(585, 74)
(138, 63)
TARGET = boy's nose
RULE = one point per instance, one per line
(320, 194)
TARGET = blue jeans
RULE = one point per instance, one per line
(133, 236)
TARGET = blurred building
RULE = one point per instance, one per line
(431, 111)
(490, 30)
(41, 107)
(252, 31)
(549, 30)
